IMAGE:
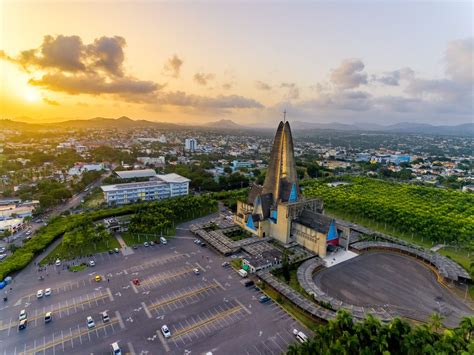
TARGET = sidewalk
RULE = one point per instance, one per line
(125, 249)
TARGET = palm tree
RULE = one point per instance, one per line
(436, 322)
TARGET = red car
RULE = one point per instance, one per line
(136, 282)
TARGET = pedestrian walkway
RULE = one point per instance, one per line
(125, 249)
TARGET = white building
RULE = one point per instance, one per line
(80, 168)
(12, 225)
(160, 161)
(190, 144)
(179, 185)
(163, 186)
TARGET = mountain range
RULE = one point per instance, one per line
(124, 122)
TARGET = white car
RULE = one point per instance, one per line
(196, 271)
(105, 317)
(166, 332)
(90, 322)
(146, 244)
(58, 262)
(47, 292)
(23, 315)
(39, 294)
(92, 263)
(48, 317)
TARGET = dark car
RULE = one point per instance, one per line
(111, 251)
(263, 299)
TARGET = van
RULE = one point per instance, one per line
(242, 273)
(116, 349)
(300, 336)
(163, 240)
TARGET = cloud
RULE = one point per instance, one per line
(260, 85)
(68, 65)
(293, 92)
(51, 102)
(180, 98)
(107, 53)
(94, 84)
(227, 86)
(173, 66)
(349, 74)
(203, 78)
(393, 78)
(459, 58)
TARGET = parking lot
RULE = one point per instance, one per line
(206, 310)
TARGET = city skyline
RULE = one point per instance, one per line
(195, 63)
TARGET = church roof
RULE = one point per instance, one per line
(317, 221)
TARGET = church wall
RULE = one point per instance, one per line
(281, 229)
(310, 239)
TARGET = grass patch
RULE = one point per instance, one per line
(289, 307)
(94, 199)
(458, 256)
(62, 253)
(294, 284)
(77, 268)
(138, 239)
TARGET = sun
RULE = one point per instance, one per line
(31, 95)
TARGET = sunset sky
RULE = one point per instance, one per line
(193, 62)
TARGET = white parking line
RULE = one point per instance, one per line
(163, 341)
(147, 311)
(119, 317)
(110, 294)
(241, 305)
(133, 287)
(130, 348)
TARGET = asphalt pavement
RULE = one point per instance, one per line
(206, 312)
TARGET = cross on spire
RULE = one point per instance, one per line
(284, 116)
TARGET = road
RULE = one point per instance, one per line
(70, 204)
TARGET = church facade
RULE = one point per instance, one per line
(278, 210)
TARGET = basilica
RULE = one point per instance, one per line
(278, 210)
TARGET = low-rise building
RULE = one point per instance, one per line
(161, 187)
(80, 168)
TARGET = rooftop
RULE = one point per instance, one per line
(131, 185)
(172, 178)
(131, 174)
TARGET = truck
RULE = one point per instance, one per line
(243, 273)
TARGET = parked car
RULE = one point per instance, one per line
(2, 249)
(47, 292)
(111, 251)
(196, 271)
(22, 324)
(136, 282)
(146, 244)
(58, 262)
(48, 317)
(152, 243)
(166, 332)
(23, 315)
(39, 293)
(92, 263)
(116, 250)
(163, 240)
(116, 349)
(90, 322)
(264, 299)
(98, 278)
(105, 317)
(225, 264)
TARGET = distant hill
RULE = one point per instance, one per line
(466, 129)
(29, 124)
(119, 123)
(224, 124)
